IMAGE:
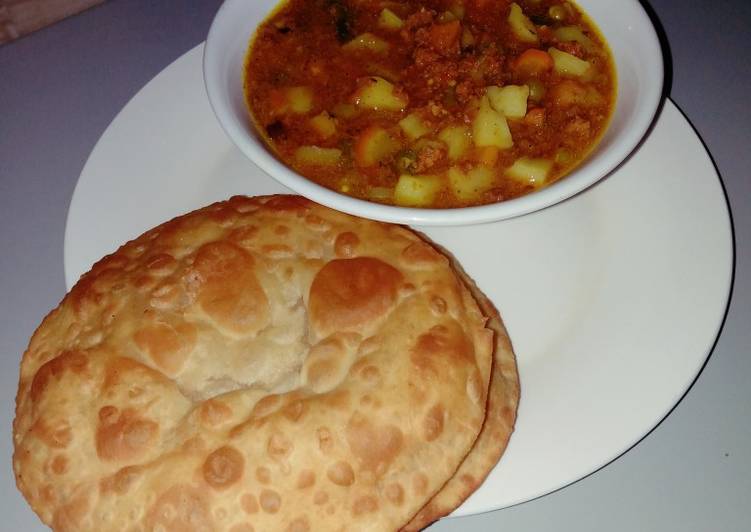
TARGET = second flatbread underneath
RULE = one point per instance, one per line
(503, 400)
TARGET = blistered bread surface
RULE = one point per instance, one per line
(259, 364)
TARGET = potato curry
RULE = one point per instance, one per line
(430, 103)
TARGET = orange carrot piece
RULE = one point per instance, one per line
(533, 62)
(486, 155)
(535, 117)
(445, 36)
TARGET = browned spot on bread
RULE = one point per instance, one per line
(56, 434)
(270, 501)
(346, 293)
(469, 480)
(126, 371)
(249, 503)
(365, 505)
(196, 444)
(181, 507)
(320, 498)
(371, 374)
(294, 410)
(420, 483)
(421, 254)
(168, 346)
(267, 405)
(230, 293)
(341, 473)
(316, 223)
(73, 361)
(213, 412)
(59, 464)
(279, 446)
(123, 435)
(263, 474)
(432, 424)
(223, 467)
(306, 479)
(337, 399)
(374, 446)
(395, 493)
(48, 494)
(300, 524)
(345, 244)
(440, 346)
(121, 481)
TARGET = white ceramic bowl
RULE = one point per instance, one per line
(639, 65)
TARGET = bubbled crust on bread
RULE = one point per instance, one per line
(259, 364)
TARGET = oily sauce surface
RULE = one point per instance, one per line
(430, 103)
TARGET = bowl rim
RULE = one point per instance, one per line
(580, 179)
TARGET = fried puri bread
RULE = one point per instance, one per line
(259, 364)
(503, 400)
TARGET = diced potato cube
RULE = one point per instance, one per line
(520, 24)
(489, 127)
(344, 110)
(417, 190)
(300, 99)
(468, 186)
(373, 145)
(593, 97)
(413, 126)
(458, 139)
(574, 34)
(379, 94)
(317, 156)
(532, 171)
(569, 92)
(381, 193)
(323, 124)
(367, 41)
(389, 20)
(511, 100)
(291, 100)
(567, 64)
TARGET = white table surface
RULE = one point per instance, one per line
(61, 87)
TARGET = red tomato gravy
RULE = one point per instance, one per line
(430, 103)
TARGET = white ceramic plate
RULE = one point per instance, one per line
(613, 298)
